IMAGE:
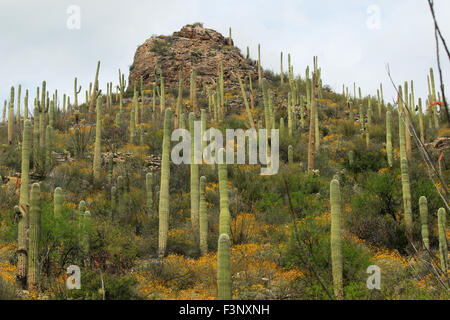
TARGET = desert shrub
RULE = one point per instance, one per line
(347, 128)
(7, 291)
(366, 160)
(117, 287)
(113, 246)
(314, 237)
(9, 155)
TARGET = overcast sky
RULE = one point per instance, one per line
(354, 39)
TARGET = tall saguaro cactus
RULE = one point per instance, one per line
(259, 66)
(57, 202)
(290, 155)
(224, 268)
(23, 212)
(77, 91)
(93, 97)
(149, 189)
(11, 117)
(312, 112)
(98, 143)
(247, 108)
(390, 156)
(34, 237)
(203, 218)
(194, 179)
(224, 216)
(443, 246)
(423, 207)
(404, 170)
(164, 189)
(336, 240)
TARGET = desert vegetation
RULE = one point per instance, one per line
(90, 182)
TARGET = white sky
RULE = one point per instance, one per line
(36, 43)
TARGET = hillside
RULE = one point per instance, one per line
(99, 189)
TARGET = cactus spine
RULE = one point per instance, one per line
(224, 217)
(423, 207)
(149, 187)
(34, 237)
(164, 189)
(224, 268)
(336, 241)
(57, 202)
(390, 156)
(203, 218)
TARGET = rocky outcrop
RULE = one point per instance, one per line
(192, 47)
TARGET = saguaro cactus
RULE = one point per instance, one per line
(19, 93)
(247, 108)
(224, 216)
(98, 143)
(224, 268)
(23, 205)
(443, 246)
(4, 111)
(421, 127)
(34, 237)
(121, 192)
(85, 248)
(113, 202)
(336, 241)
(179, 109)
(423, 207)
(93, 97)
(312, 116)
(11, 117)
(57, 202)
(149, 187)
(193, 91)
(290, 155)
(259, 66)
(390, 156)
(194, 179)
(77, 90)
(404, 170)
(203, 218)
(368, 123)
(164, 189)
(48, 148)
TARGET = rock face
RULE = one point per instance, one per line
(192, 47)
